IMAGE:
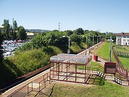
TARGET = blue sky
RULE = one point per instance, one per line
(101, 15)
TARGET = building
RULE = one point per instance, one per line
(122, 38)
(1, 28)
(30, 35)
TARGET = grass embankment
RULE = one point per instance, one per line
(123, 59)
(93, 66)
(24, 62)
(122, 48)
(104, 50)
(125, 62)
(27, 61)
(107, 90)
(76, 48)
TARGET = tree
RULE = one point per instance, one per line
(38, 41)
(14, 30)
(110, 34)
(69, 32)
(75, 38)
(79, 31)
(14, 25)
(11, 34)
(6, 29)
(51, 39)
(21, 33)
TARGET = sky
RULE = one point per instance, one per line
(100, 15)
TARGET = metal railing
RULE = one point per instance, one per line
(33, 86)
(119, 67)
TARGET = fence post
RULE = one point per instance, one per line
(32, 86)
(127, 77)
(126, 74)
(39, 86)
(28, 89)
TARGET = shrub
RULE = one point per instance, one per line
(51, 50)
(75, 38)
(75, 48)
(83, 45)
(28, 61)
(7, 73)
(26, 46)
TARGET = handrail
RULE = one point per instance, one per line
(46, 75)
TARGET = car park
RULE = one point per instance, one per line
(9, 46)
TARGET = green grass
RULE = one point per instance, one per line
(28, 61)
(93, 66)
(75, 47)
(122, 48)
(125, 62)
(123, 59)
(72, 90)
(83, 45)
(104, 51)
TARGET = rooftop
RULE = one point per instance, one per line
(71, 58)
(122, 34)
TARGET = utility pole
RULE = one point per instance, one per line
(97, 39)
(86, 39)
(93, 40)
(68, 45)
(69, 40)
(110, 49)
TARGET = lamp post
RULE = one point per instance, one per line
(86, 39)
(69, 40)
(110, 49)
(68, 45)
(97, 39)
(93, 39)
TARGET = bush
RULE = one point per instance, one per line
(83, 45)
(51, 50)
(75, 48)
(7, 73)
(26, 46)
(24, 62)
(28, 61)
(76, 38)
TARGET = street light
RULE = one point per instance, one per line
(110, 48)
(68, 51)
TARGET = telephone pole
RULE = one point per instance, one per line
(110, 49)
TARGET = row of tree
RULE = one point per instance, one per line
(37, 52)
(13, 32)
(60, 39)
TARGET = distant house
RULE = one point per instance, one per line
(122, 38)
(30, 35)
(1, 28)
